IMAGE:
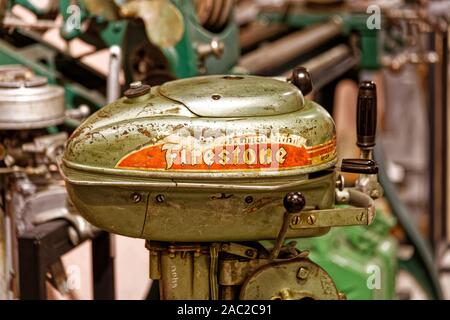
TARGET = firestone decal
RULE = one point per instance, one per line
(247, 152)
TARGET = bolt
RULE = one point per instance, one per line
(311, 219)
(160, 198)
(136, 197)
(248, 199)
(302, 273)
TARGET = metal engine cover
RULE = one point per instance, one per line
(202, 159)
(27, 101)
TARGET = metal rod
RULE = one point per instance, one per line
(438, 143)
(286, 49)
(12, 22)
(113, 81)
(329, 65)
(258, 32)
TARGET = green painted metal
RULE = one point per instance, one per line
(183, 58)
(162, 118)
(355, 256)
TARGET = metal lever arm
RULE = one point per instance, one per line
(293, 202)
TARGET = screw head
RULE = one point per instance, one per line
(248, 199)
(135, 197)
(302, 273)
(160, 198)
(360, 217)
(296, 220)
(312, 219)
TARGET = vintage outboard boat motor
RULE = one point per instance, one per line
(205, 168)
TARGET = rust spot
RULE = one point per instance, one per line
(102, 113)
(258, 204)
(145, 132)
(221, 196)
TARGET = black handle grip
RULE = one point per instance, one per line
(360, 166)
(301, 78)
(366, 115)
(294, 202)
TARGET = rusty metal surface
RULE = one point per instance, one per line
(295, 279)
(130, 125)
(239, 201)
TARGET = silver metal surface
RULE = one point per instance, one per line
(271, 97)
(27, 101)
(356, 198)
(113, 81)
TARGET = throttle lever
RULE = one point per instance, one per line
(293, 202)
(359, 166)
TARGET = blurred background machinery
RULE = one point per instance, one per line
(32, 195)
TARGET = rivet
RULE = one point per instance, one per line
(160, 198)
(248, 199)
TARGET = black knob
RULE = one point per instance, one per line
(301, 78)
(366, 115)
(294, 202)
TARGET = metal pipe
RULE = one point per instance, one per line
(356, 198)
(286, 49)
(327, 59)
(329, 65)
(113, 81)
(258, 32)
